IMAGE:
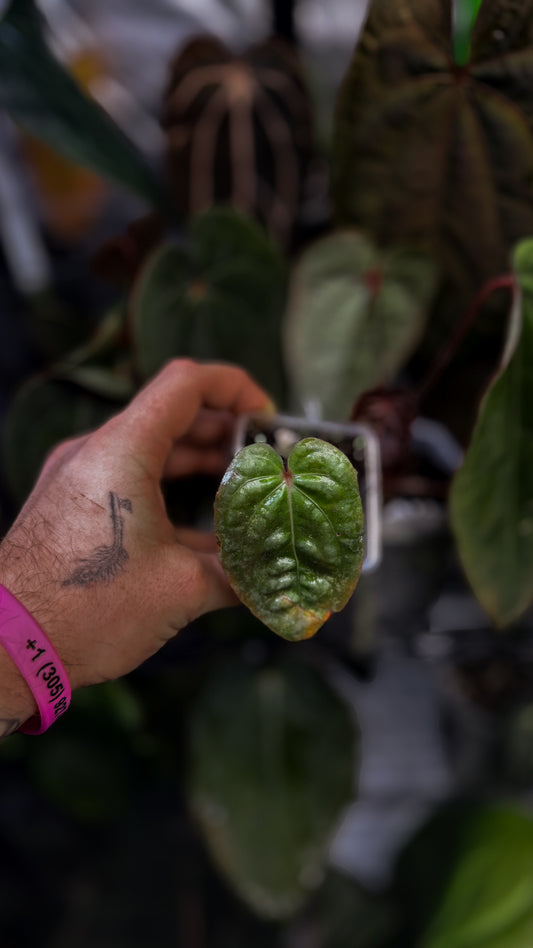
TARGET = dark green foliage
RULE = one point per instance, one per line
(492, 494)
(219, 296)
(239, 131)
(432, 155)
(347, 916)
(466, 879)
(47, 101)
(464, 17)
(44, 412)
(273, 764)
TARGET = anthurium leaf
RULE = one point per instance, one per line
(291, 540)
(427, 154)
(44, 412)
(467, 878)
(491, 498)
(354, 316)
(274, 758)
(218, 297)
(46, 100)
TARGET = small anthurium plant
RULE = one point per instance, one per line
(423, 271)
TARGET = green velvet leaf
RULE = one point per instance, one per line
(220, 296)
(44, 412)
(354, 316)
(47, 101)
(491, 498)
(428, 154)
(274, 756)
(467, 878)
(291, 540)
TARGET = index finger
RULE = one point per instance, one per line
(165, 409)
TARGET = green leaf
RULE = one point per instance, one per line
(291, 541)
(467, 878)
(218, 297)
(42, 413)
(274, 756)
(103, 365)
(465, 13)
(354, 316)
(491, 498)
(46, 100)
(431, 156)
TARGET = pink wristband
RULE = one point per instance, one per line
(35, 657)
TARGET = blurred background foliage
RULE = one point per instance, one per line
(165, 190)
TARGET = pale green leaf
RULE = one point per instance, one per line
(354, 316)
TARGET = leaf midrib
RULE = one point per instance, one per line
(289, 489)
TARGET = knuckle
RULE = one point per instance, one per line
(180, 364)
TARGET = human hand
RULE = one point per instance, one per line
(93, 555)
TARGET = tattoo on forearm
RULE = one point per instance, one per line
(8, 726)
(105, 562)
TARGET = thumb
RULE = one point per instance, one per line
(191, 583)
(219, 594)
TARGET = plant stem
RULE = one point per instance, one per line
(504, 282)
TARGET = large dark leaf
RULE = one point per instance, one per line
(218, 297)
(467, 879)
(46, 100)
(430, 154)
(355, 314)
(492, 494)
(239, 131)
(274, 758)
(44, 412)
(291, 540)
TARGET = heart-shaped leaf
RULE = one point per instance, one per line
(47, 101)
(291, 540)
(466, 879)
(220, 296)
(355, 314)
(492, 494)
(429, 154)
(274, 760)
